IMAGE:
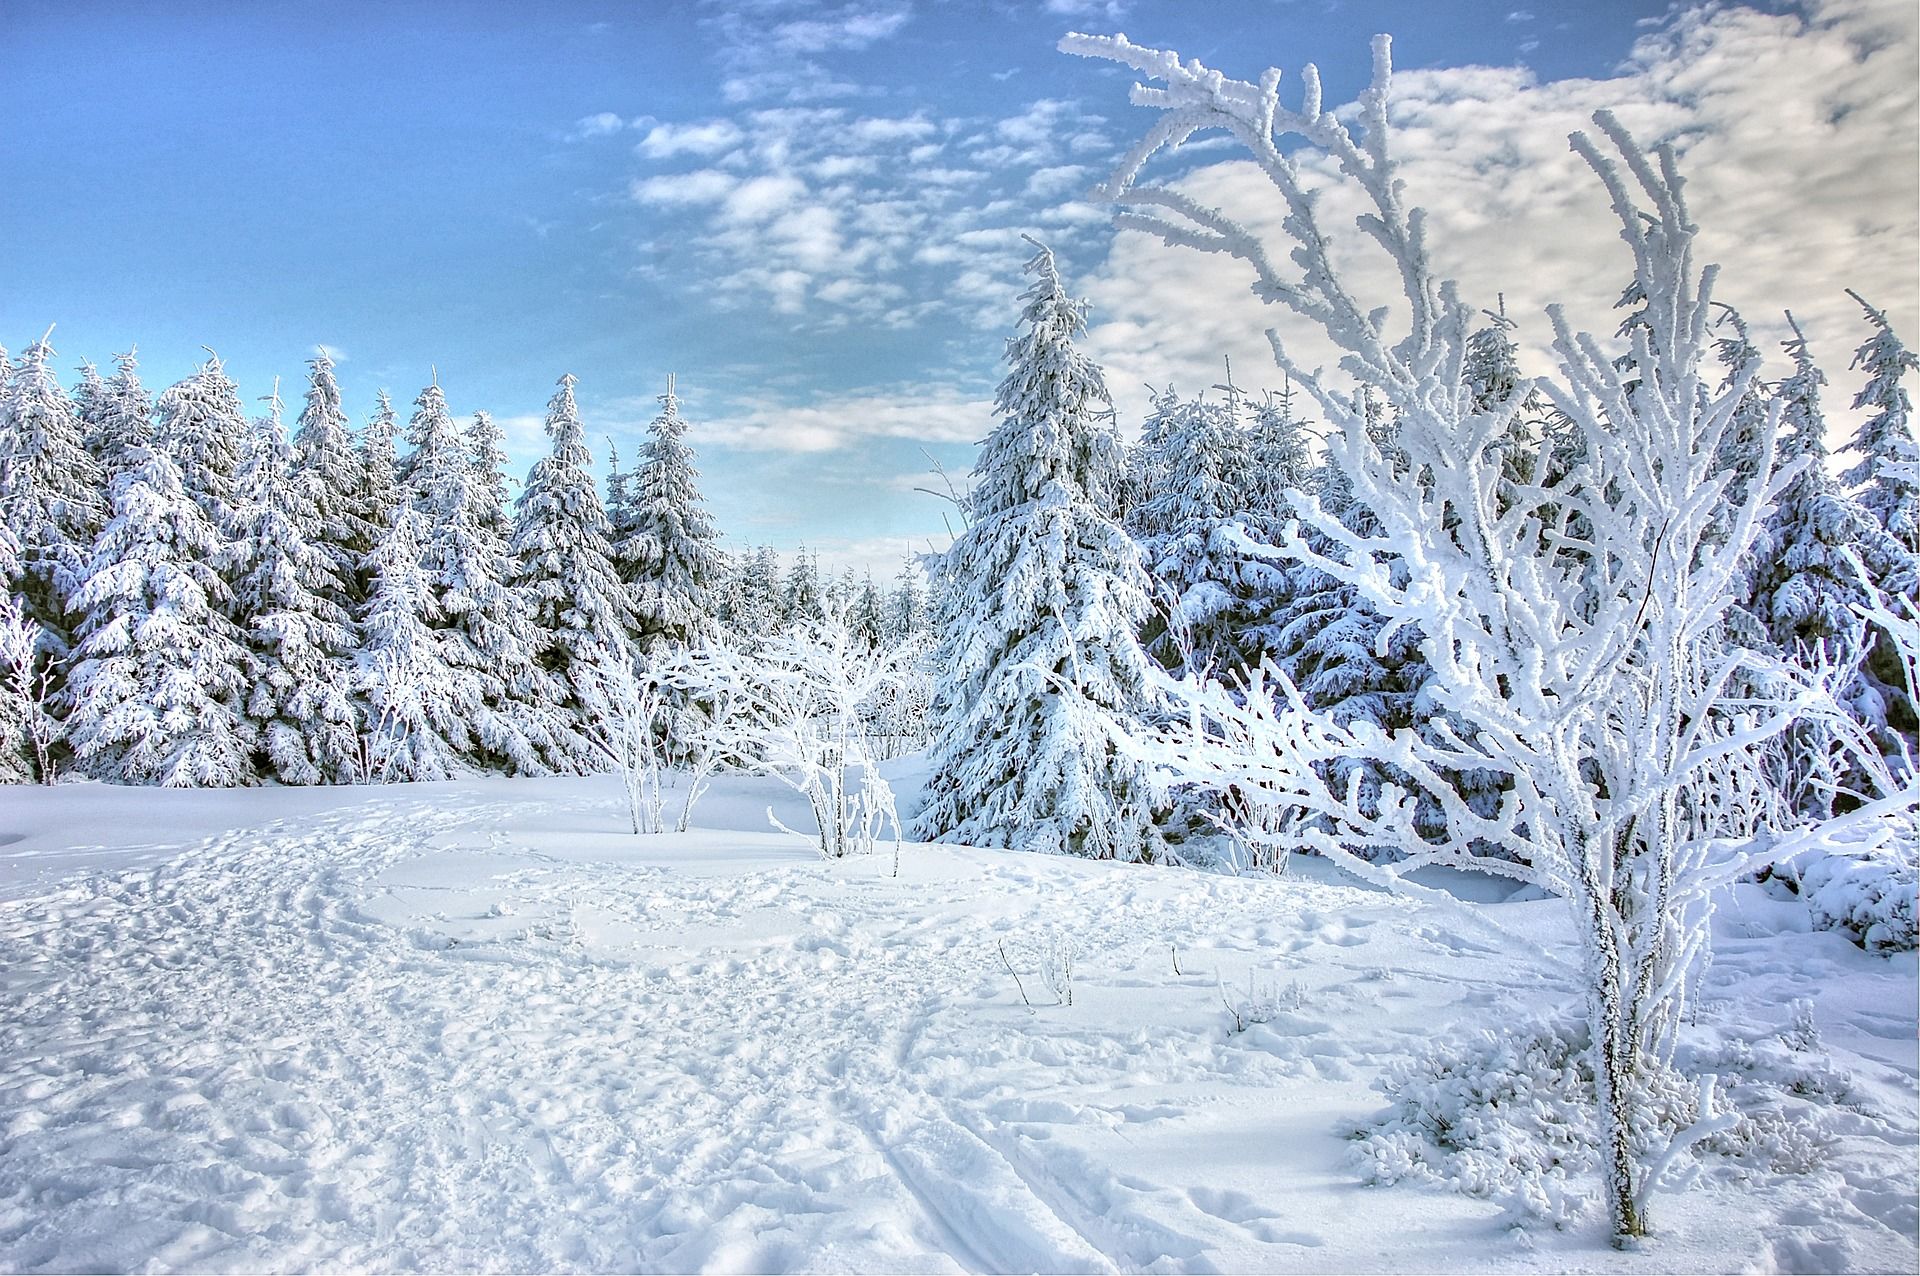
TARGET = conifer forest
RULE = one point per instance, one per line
(1436, 791)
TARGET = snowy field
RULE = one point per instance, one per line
(476, 1025)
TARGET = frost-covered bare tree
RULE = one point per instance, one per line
(26, 699)
(625, 699)
(811, 694)
(1571, 620)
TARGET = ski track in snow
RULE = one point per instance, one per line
(396, 1036)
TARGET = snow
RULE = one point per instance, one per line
(476, 1024)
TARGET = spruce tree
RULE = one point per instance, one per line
(867, 614)
(1212, 593)
(122, 423)
(203, 427)
(488, 665)
(379, 469)
(1886, 478)
(757, 605)
(803, 598)
(160, 672)
(327, 465)
(1046, 594)
(49, 494)
(488, 456)
(287, 592)
(907, 608)
(668, 549)
(1804, 586)
(1806, 590)
(502, 628)
(563, 563)
(415, 726)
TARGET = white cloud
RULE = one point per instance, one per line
(759, 198)
(702, 186)
(599, 125)
(332, 352)
(1046, 183)
(1795, 135)
(868, 132)
(712, 137)
(851, 28)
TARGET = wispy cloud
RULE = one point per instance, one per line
(835, 216)
(836, 421)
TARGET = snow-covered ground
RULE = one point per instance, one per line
(476, 1025)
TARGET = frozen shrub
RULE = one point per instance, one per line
(1508, 1116)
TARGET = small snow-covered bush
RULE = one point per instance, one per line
(1264, 1002)
(1867, 894)
(1508, 1115)
(1056, 955)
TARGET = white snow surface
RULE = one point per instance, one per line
(476, 1025)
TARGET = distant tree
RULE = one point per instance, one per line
(907, 607)
(1048, 593)
(379, 472)
(1885, 477)
(803, 598)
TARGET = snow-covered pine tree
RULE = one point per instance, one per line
(1048, 593)
(49, 494)
(88, 394)
(907, 608)
(619, 512)
(160, 673)
(1282, 458)
(379, 470)
(1886, 480)
(1804, 585)
(669, 545)
(20, 656)
(1143, 466)
(287, 592)
(867, 614)
(1804, 589)
(327, 464)
(487, 450)
(121, 418)
(756, 607)
(803, 598)
(563, 563)
(415, 727)
(1883, 478)
(204, 428)
(490, 681)
(1210, 595)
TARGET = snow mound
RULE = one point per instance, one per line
(1868, 895)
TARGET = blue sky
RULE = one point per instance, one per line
(809, 212)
